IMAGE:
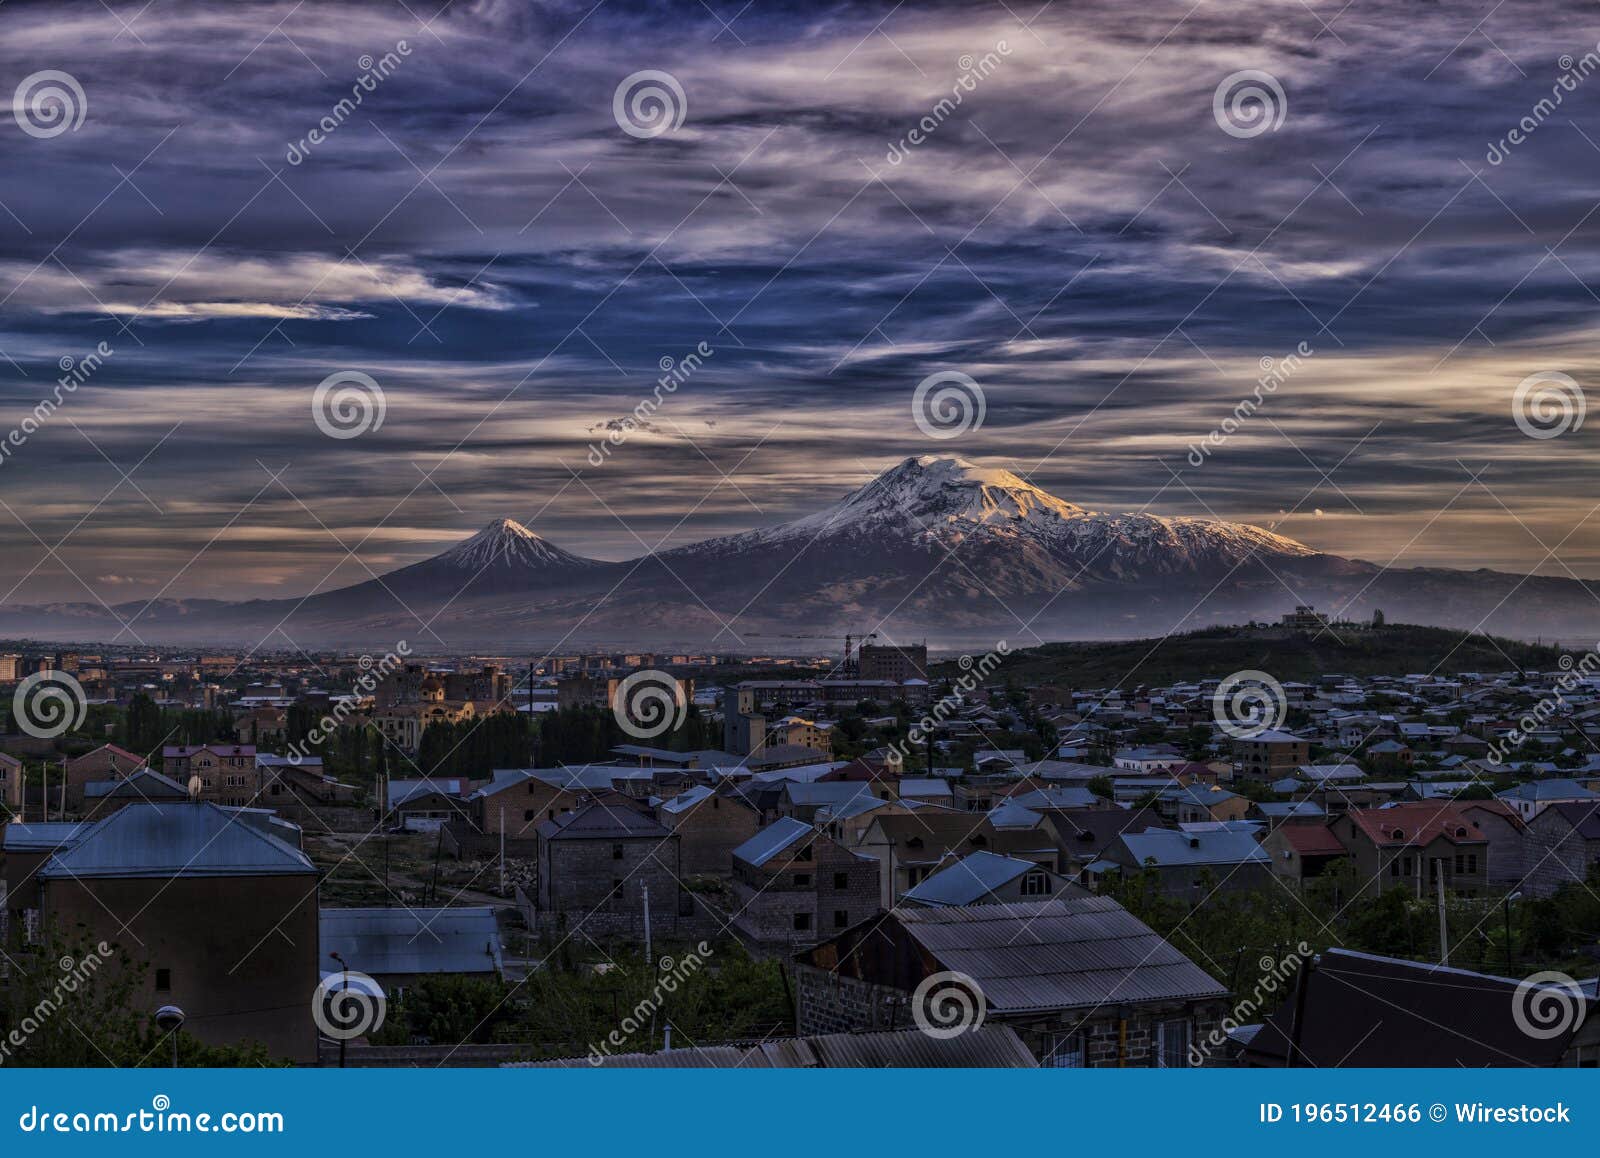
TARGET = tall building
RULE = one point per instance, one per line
(893, 662)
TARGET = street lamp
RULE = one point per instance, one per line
(345, 985)
(169, 1019)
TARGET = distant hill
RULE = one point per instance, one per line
(1395, 649)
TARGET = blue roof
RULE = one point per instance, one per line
(1169, 848)
(1536, 790)
(1013, 815)
(197, 839)
(685, 800)
(40, 836)
(969, 879)
(772, 840)
(1052, 796)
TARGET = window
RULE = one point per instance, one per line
(804, 854)
(527, 814)
(802, 921)
(1064, 1051)
(841, 880)
(802, 880)
(616, 852)
(841, 919)
(716, 803)
(1472, 862)
(1394, 867)
(1036, 884)
(163, 980)
(1172, 1044)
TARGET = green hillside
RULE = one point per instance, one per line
(1395, 649)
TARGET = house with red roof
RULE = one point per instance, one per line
(1412, 845)
(1302, 851)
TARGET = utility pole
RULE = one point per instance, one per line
(649, 958)
(1444, 931)
(502, 853)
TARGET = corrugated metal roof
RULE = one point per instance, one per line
(1058, 954)
(391, 941)
(177, 840)
(988, 1047)
(773, 839)
(1165, 847)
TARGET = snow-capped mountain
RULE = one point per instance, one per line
(933, 547)
(943, 504)
(507, 545)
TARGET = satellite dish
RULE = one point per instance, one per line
(195, 784)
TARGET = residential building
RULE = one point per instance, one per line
(1081, 980)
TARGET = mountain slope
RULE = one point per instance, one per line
(934, 547)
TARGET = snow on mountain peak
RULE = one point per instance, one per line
(507, 542)
(937, 497)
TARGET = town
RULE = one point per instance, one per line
(873, 856)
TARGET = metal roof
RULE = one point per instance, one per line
(772, 840)
(192, 839)
(1169, 848)
(1063, 953)
(41, 836)
(969, 880)
(142, 785)
(600, 821)
(987, 1047)
(391, 941)
(402, 791)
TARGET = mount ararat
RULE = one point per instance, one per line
(934, 547)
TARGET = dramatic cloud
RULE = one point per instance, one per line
(263, 195)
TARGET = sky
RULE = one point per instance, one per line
(509, 247)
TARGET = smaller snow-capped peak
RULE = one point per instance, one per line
(508, 542)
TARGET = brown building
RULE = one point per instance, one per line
(1412, 845)
(107, 762)
(710, 825)
(598, 865)
(892, 662)
(517, 800)
(793, 885)
(1271, 755)
(1082, 981)
(219, 904)
(1563, 847)
(221, 773)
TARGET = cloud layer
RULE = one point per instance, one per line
(856, 197)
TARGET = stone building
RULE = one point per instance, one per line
(1563, 847)
(597, 865)
(793, 884)
(710, 825)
